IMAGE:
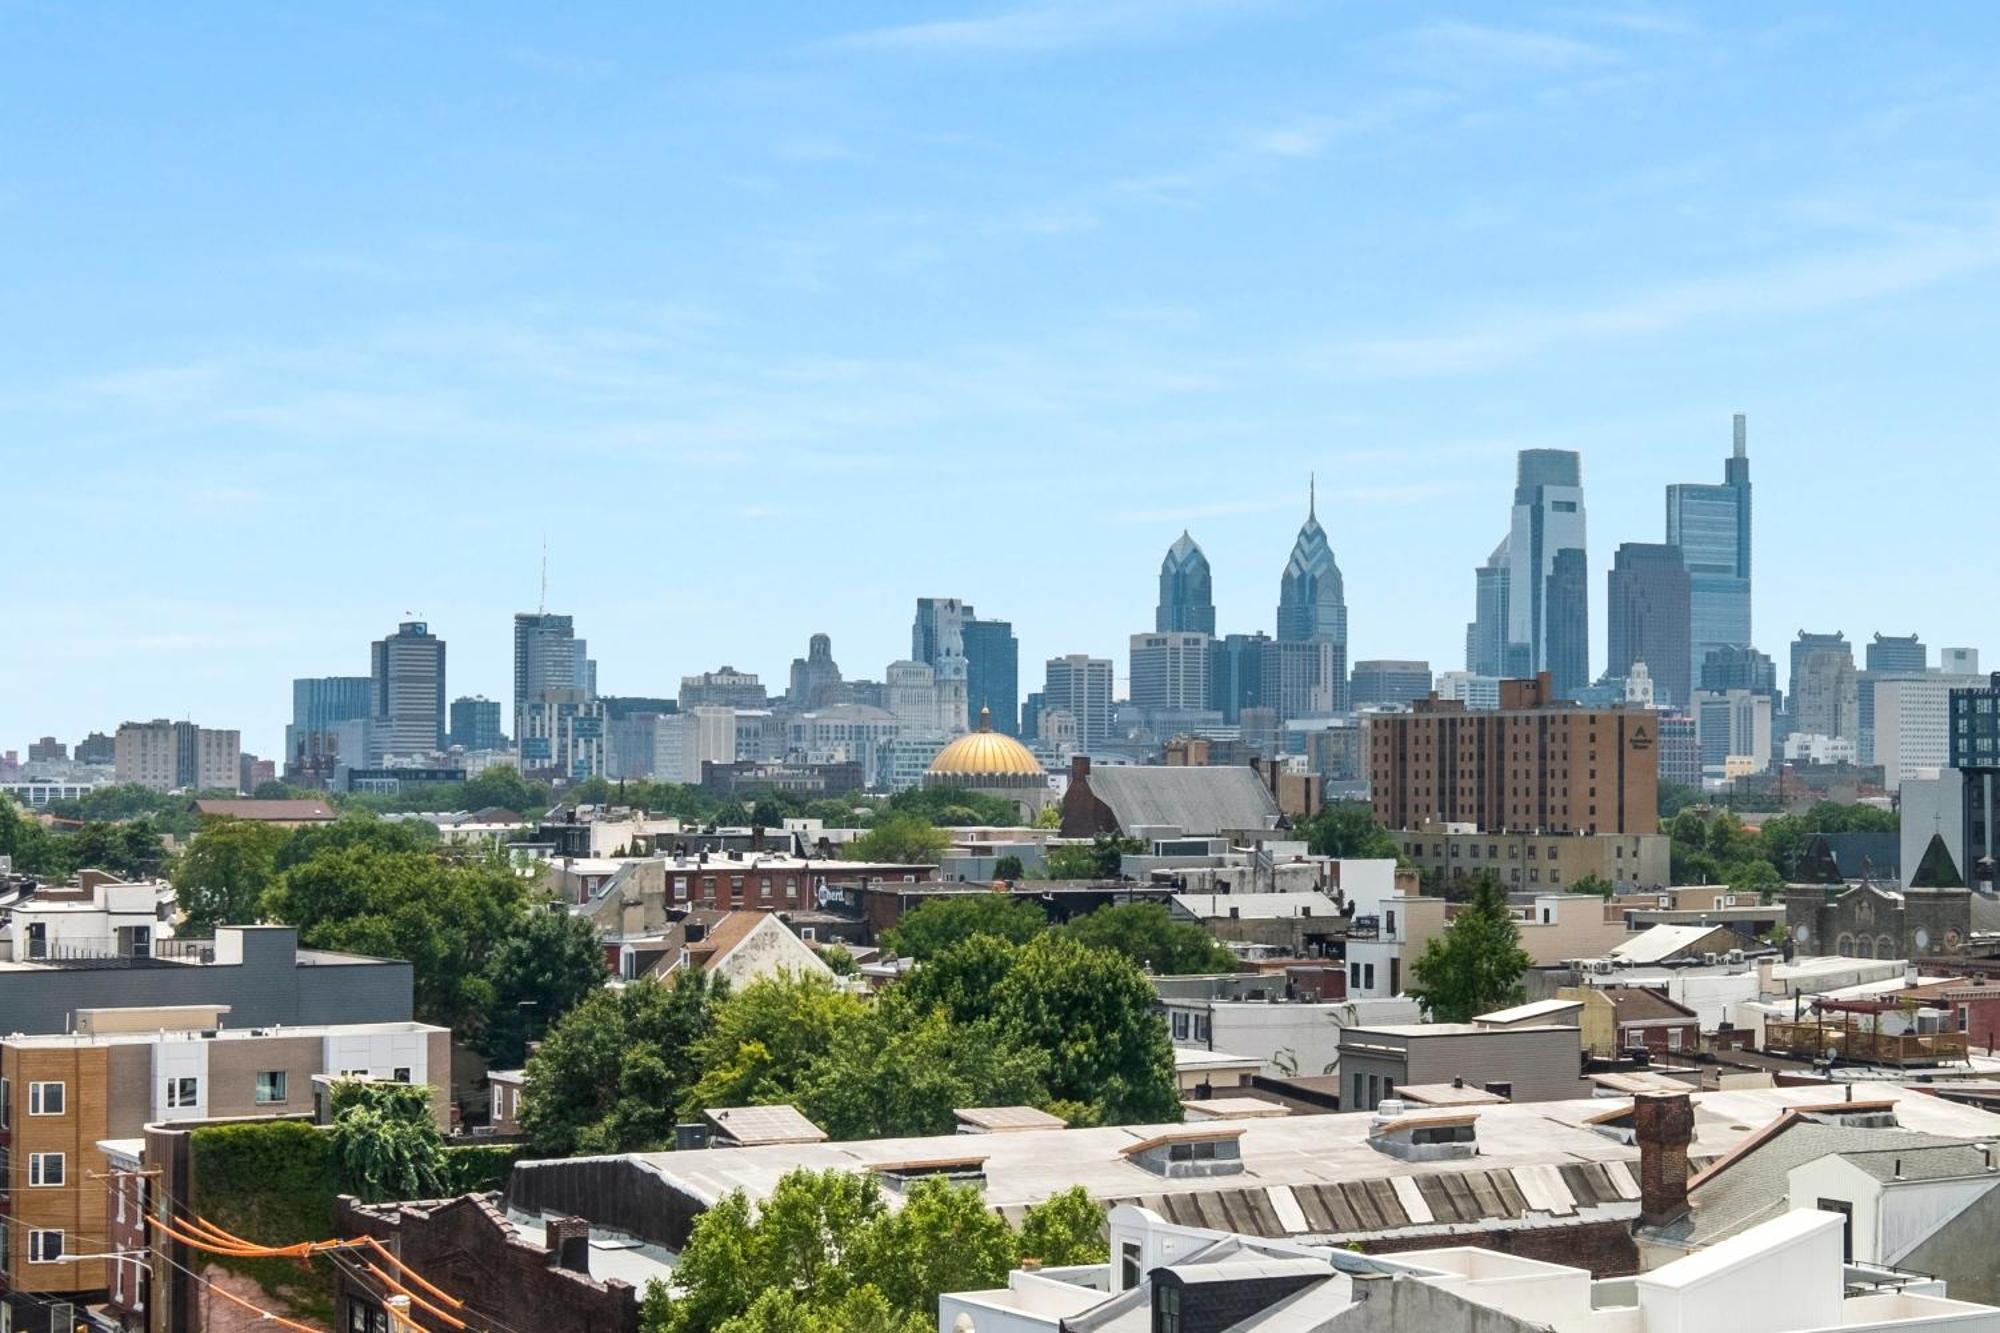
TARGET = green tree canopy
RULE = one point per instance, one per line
(385, 1142)
(1100, 858)
(1348, 829)
(1092, 1011)
(899, 839)
(1147, 934)
(1475, 966)
(544, 966)
(955, 807)
(934, 926)
(1008, 869)
(612, 1074)
(964, 979)
(221, 878)
(765, 1038)
(1064, 1230)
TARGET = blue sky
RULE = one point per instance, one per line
(774, 318)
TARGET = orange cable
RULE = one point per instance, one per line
(401, 1290)
(413, 1275)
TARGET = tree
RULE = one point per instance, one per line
(544, 966)
(1101, 858)
(612, 1073)
(964, 979)
(356, 829)
(1348, 829)
(1476, 965)
(447, 920)
(943, 1238)
(937, 925)
(1147, 934)
(500, 786)
(1064, 1230)
(385, 1142)
(901, 1071)
(1008, 869)
(839, 960)
(900, 839)
(33, 849)
(1092, 1011)
(798, 1243)
(221, 878)
(1675, 797)
(956, 806)
(764, 1039)
(1595, 885)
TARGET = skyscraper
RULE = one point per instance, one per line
(1739, 667)
(1711, 525)
(475, 722)
(319, 705)
(1389, 682)
(1548, 593)
(1187, 596)
(1236, 674)
(1080, 685)
(1170, 671)
(816, 676)
(547, 657)
(1312, 602)
(1887, 652)
(992, 671)
(1486, 636)
(1825, 697)
(1647, 607)
(408, 682)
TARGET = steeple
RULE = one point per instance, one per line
(1312, 496)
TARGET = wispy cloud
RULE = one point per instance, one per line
(1458, 48)
(1045, 29)
(1794, 287)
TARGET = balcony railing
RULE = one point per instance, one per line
(1858, 1042)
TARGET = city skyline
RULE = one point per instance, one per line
(620, 258)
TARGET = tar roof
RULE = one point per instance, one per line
(1007, 1119)
(1193, 800)
(765, 1125)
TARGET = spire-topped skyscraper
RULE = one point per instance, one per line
(1711, 526)
(1312, 599)
(1187, 594)
(1548, 592)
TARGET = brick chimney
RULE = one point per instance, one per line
(1079, 766)
(1663, 1124)
(566, 1241)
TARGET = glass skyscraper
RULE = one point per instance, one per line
(1312, 602)
(993, 671)
(1187, 595)
(1548, 585)
(1711, 525)
(1647, 606)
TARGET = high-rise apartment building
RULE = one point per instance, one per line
(1187, 594)
(1537, 763)
(1732, 725)
(1825, 694)
(1236, 674)
(475, 723)
(1312, 602)
(1548, 583)
(98, 748)
(1975, 753)
(1951, 661)
(815, 681)
(1647, 607)
(1379, 681)
(547, 657)
(408, 678)
(1711, 526)
(1739, 667)
(1170, 671)
(177, 756)
(1908, 720)
(1469, 688)
(725, 687)
(1080, 685)
(47, 750)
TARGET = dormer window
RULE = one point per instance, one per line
(1189, 1152)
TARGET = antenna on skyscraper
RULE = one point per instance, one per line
(543, 608)
(1312, 495)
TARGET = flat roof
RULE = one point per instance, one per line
(751, 1125)
(1235, 1108)
(1541, 1151)
(1008, 1119)
(1190, 1057)
(1447, 1094)
(1520, 1013)
(73, 1041)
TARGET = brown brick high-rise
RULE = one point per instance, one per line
(1536, 763)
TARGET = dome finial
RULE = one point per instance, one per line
(985, 718)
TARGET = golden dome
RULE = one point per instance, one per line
(985, 753)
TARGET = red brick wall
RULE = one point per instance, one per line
(1605, 1248)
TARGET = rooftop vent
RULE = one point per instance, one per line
(1423, 1138)
(1193, 1151)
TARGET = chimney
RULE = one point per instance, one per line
(1663, 1124)
(1079, 766)
(756, 837)
(566, 1242)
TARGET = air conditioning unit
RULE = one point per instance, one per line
(1734, 955)
(1709, 960)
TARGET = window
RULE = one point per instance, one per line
(45, 1247)
(183, 1093)
(1166, 1309)
(45, 1168)
(401, 1074)
(271, 1086)
(1846, 1211)
(6, 1102)
(1201, 1027)
(45, 1098)
(1128, 1265)
(1673, 1039)
(1180, 1025)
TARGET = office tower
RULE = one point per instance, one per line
(1299, 679)
(1187, 596)
(1486, 636)
(1236, 674)
(1080, 685)
(1170, 671)
(562, 732)
(1680, 750)
(1648, 608)
(1825, 695)
(177, 756)
(547, 656)
(910, 691)
(1711, 525)
(320, 704)
(47, 750)
(992, 671)
(1740, 667)
(725, 687)
(816, 679)
(408, 683)
(98, 748)
(1887, 652)
(475, 723)
(1312, 600)
(1385, 682)
(1951, 661)
(1908, 717)
(1469, 688)
(1733, 725)
(1548, 594)
(1975, 753)
(1031, 716)
(1535, 763)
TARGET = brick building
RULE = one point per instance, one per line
(1535, 764)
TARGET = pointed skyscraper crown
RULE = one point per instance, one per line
(1187, 599)
(1312, 599)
